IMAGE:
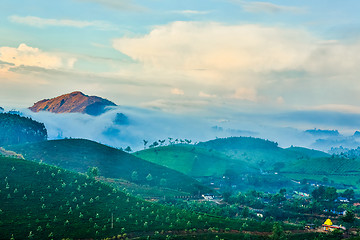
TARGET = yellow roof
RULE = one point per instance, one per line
(328, 222)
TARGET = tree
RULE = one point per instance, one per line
(349, 217)
(245, 212)
(128, 149)
(277, 232)
(134, 176)
(163, 182)
(149, 178)
(93, 172)
(145, 142)
(318, 193)
(349, 194)
(330, 193)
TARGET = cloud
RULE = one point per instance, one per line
(213, 46)
(48, 22)
(25, 55)
(121, 5)
(206, 95)
(145, 124)
(153, 125)
(342, 108)
(191, 12)
(177, 91)
(231, 59)
(267, 7)
(245, 94)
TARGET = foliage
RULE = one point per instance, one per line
(190, 160)
(78, 154)
(15, 129)
(43, 202)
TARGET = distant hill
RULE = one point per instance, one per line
(73, 102)
(307, 153)
(15, 129)
(193, 160)
(79, 155)
(45, 202)
(263, 154)
(325, 166)
(323, 133)
(235, 154)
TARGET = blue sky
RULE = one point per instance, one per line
(188, 57)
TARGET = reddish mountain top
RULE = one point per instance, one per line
(73, 102)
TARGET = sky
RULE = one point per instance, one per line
(219, 59)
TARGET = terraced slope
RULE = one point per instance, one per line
(263, 154)
(79, 155)
(45, 202)
(193, 160)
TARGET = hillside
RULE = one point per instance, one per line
(73, 102)
(79, 155)
(263, 154)
(193, 160)
(15, 129)
(326, 166)
(45, 202)
(307, 153)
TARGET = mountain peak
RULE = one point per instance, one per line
(73, 102)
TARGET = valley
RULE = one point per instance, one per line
(229, 188)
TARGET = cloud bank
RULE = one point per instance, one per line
(25, 55)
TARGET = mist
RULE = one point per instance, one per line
(120, 127)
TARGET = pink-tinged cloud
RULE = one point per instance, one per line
(177, 91)
(25, 55)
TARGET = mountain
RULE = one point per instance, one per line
(193, 160)
(15, 129)
(73, 102)
(45, 202)
(79, 155)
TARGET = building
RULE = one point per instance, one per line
(328, 226)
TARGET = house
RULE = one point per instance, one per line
(328, 226)
(208, 197)
(342, 199)
(310, 226)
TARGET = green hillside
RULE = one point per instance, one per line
(15, 129)
(79, 154)
(263, 154)
(45, 202)
(325, 166)
(307, 153)
(338, 170)
(193, 160)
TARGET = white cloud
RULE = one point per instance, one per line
(25, 55)
(245, 94)
(206, 95)
(213, 46)
(191, 12)
(267, 7)
(118, 4)
(177, 91)
(49, 22)
(228, 58)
